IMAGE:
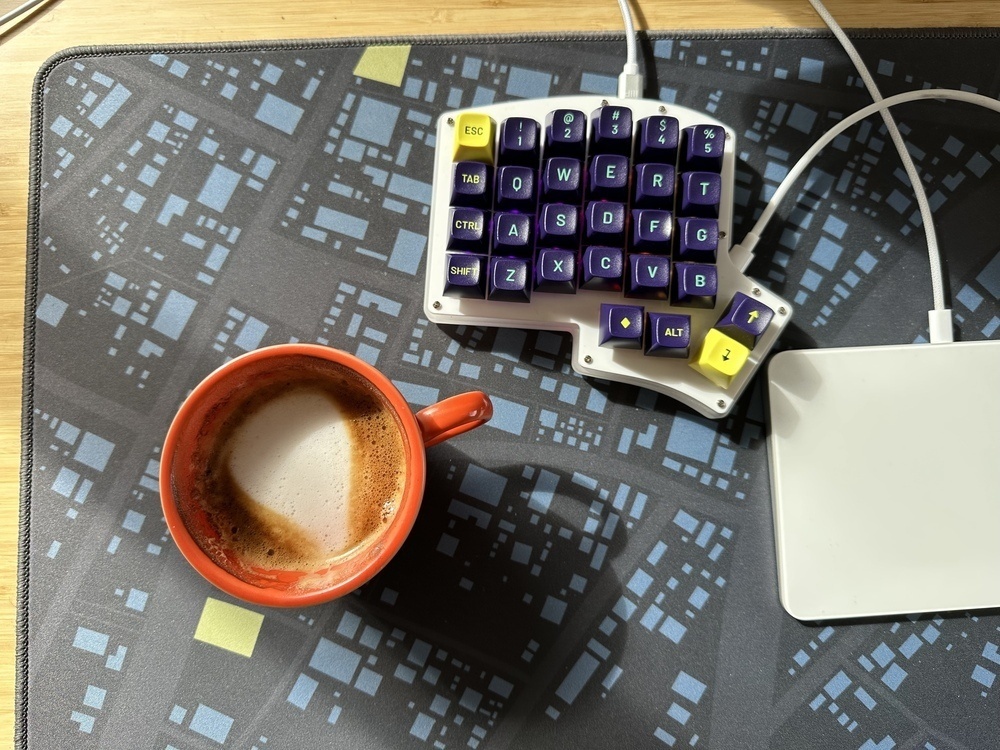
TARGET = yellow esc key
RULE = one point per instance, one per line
(474, 136)
(720, 358)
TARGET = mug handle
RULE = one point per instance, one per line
(453, 416)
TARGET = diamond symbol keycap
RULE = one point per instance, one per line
(620, 326)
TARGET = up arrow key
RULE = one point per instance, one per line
(745, 320)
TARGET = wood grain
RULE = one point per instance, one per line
(66, 23)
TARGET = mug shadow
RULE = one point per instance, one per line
(505, 571)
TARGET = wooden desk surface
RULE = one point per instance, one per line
(58, 24)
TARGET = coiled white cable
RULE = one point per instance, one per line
(743, 252)
(933, 252)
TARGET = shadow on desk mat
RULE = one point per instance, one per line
(595, 568)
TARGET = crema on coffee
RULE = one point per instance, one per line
(304, 472)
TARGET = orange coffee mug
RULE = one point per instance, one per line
(292, 474)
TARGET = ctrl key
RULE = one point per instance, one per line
(465, 275)
(467, 229)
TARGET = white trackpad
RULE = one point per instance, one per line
(885, 476)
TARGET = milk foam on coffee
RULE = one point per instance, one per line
(301, 469)
(294, 457)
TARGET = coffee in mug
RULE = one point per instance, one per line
(292, 474)
(305, 468)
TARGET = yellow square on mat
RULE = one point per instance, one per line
(228, 626)
(383, 64)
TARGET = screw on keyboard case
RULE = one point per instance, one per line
(885, 479)
(578, 313)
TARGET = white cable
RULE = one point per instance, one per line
(743, 253)
(753, 236)
(630, 81)
(939, 318)
(933, 252)
(23, 8)
(630, 56)
(941, 326)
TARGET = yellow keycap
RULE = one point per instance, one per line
(720, 358)
(474, 138)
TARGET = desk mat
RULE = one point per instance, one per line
(593, 569)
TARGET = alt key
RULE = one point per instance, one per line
(668, 335)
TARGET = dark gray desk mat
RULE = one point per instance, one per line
(594, 569)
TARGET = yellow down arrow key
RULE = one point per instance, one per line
(720, 358)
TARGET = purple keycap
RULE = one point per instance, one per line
(648, 276)
(465, 275)
(555, 271)
(695, 284)
(471, 184)
(519, 142)
(659, 137)
(745, 320)
(566, 133)
(509, 280)
(701, 193)
(557, 226)
(612, 131)
(604, 223)
(654, 186)
(621, 326)
(562, 180)
(608, 177)
(668, 335)
(704, 146)
(698, 239)
(512, 234)
(601, 269)
(467, 229)
(516, 189)
(652, 230)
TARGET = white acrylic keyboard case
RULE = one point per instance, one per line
(578, 313)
